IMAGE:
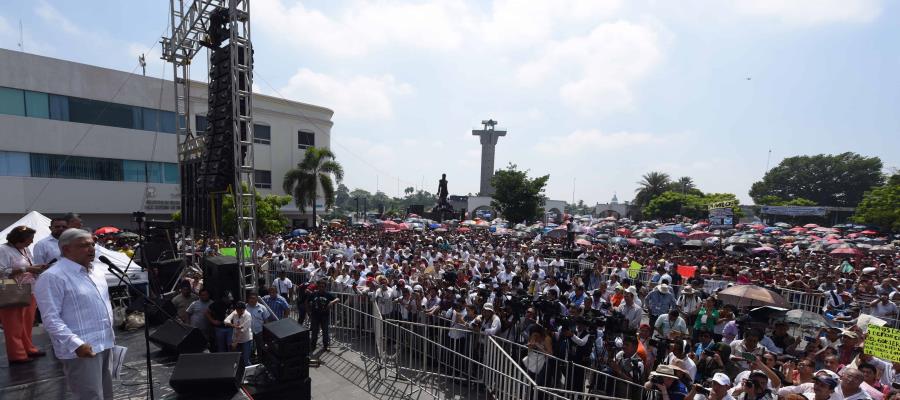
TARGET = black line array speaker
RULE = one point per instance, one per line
(207, 374)
(295, 390)
(177, 338)
(221, 274)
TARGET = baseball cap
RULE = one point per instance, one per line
(721, 379)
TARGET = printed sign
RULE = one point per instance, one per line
(634, 269)
(883, 342)
(793, 211)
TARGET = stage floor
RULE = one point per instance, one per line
(43, 379)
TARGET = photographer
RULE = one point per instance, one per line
(665, 380)
(319, 305)
(578, 351)
(755, 387)
(627, 365)
(716, 389)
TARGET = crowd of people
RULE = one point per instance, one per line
(584, 306)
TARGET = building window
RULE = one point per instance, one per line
(305, 139)
(12, 101)
(262, 134)
(262, 179)
(103, 113)
(73, 167)
(171, 174)
(200, 124)
(59, 107)
(13, 163)
(167, 121)
(134, 171)
(151, 120)
(37, 105)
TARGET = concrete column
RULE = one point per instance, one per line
(488, 138)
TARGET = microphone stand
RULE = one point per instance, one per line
(121, 275)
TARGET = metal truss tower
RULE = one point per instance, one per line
(190, 32)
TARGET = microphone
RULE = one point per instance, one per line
(112, 266)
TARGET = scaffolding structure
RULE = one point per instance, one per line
(190, 32)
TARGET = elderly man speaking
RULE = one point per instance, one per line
(74, 302)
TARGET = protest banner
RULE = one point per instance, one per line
(883, 342)
(634, 269)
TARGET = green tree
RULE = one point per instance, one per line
(652, 184)
(671, 203)
(342, 196)
(684, 185)
(881, 207)
(409, 190)
(516, 197)
(269, 218)
(827, 180)
(313, 173)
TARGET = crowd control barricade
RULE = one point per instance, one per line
(813, 302)
(569, 379)
(504, 378)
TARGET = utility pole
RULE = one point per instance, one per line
(143, 62)
(21, 37)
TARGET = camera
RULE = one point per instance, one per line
(656, 379)
(701, 390)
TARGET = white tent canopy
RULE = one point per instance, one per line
(41, 225)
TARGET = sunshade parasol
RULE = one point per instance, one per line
(751, 295)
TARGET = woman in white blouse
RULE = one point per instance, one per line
(16, 266)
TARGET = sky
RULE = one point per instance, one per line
(594, 93)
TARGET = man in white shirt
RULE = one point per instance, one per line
(47, 249)
(74, 300)
(242, 338)
(284, 285)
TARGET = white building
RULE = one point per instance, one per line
(100, 142)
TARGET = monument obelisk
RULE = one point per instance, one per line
(489, 138)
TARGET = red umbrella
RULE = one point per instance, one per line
(623, 231)
(869, 232)
(798, 229)
(846, 251)
(810, 226)
(463, 230)
(698, 235)
(106, 230)
(582, 242)
(758, 227)
(634, 242)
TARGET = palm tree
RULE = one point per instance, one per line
(311, 175)
(684, 184)
(652, 185)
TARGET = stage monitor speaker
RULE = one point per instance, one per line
(286, 338)
(283, 370)
(175, 337)
(221, 274)
(206, 374)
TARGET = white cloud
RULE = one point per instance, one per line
(595, 72)
(812, 12)
(593, 140)
(360, 97)
(367, 26)
(51, 15)
(522, 22)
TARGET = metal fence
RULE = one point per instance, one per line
(443, 362)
